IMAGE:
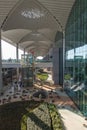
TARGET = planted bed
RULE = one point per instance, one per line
(29, 115)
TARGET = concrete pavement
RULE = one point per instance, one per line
(73, 121)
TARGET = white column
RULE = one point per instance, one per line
(1, 84)
(63, 55)
(24, 51)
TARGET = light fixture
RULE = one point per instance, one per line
(32, 14)
(36, 34)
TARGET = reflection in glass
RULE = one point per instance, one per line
(75, 78)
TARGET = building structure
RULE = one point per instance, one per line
(75, 54)
(39, 25)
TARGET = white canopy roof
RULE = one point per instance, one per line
(33, 24)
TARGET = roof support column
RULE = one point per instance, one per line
(17, 59)
(24, 55)
(1, 84)
(24, 51)
(63, 55)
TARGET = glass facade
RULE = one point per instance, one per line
(75, 78)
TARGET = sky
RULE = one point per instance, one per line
(9, 51)
(78, 52)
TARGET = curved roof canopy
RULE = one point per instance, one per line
(33, 24)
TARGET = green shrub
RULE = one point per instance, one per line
(55, 118)
(45, 117)
(12, 113)
(38, 118)
(41, 115)
(42, 76)
(67, 77)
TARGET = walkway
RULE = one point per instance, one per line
(49, 77)
(72, 121)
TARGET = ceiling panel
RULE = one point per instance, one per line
(26, 22)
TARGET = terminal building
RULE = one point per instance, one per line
(56, 30)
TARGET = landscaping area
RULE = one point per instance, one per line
(42, 76)
(29, 115)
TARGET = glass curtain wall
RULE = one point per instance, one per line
(75, 78)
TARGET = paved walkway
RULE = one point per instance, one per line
(49, 77)
(72, 121)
